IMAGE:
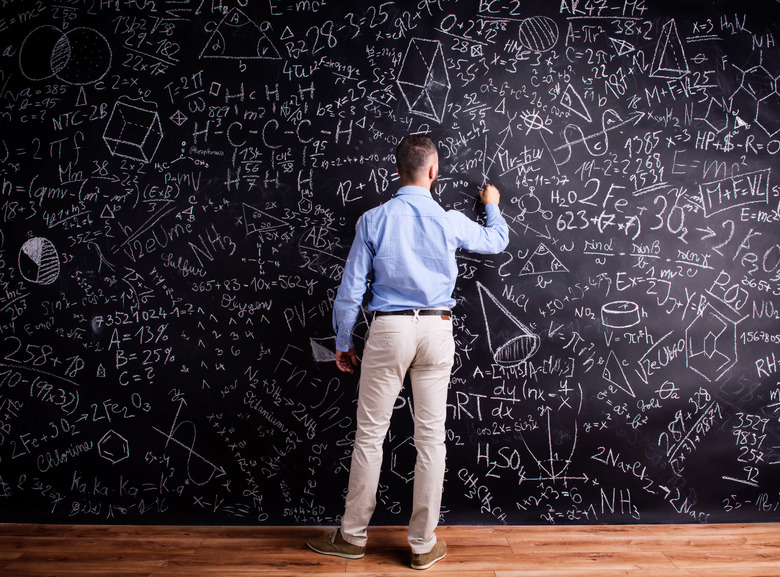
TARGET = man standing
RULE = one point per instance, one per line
(405, 249)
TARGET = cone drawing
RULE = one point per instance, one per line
(510, 342)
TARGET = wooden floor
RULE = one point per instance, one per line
(637, 550)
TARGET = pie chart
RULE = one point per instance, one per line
(38, 261)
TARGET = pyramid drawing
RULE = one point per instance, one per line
(239, 38)
(542, 261)
(669, 59)
(423, 79)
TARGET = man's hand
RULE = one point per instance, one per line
(489, 194)
(346, 361)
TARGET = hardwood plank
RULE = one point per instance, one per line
(753, 559)
(73, 572)
(552, 551)
(169, 545)
(6, 556)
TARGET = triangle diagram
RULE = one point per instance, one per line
(238, 37)
(613, 372)
(621, 46)
(542, 261)
(258, 221)
(669, 59)
(573, 102)
(320, 352)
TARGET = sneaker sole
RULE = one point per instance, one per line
(426, 566)
(336, 553)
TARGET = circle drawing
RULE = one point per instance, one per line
(39, 262)
(79, 56)
(538, 33)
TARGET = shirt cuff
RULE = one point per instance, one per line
(344, 342)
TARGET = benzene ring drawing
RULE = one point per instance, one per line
(423, 79)
(113, 447)
(711, 343)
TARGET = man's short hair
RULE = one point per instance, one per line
(414, 153)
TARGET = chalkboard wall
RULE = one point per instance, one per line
(179, 187)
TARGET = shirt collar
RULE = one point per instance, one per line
(412, 189)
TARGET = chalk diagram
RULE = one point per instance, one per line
(78, 56)
(133, 132)
(320, 351)
(620, 314)
(596, 143)
(238, 37)
(716, 116)
(509, 346)
(553, 445)
(613, 373)
(542, 261)
(403, 456)
(423, 79)
(538, 33)
(199, 470)
(573, 102)
(39, 261)
(711, 342)
(669, 58)
(758, 90)
(259, 222)
(622, 47)
(113, 447)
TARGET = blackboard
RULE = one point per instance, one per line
(179, 187)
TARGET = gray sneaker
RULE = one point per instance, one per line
(334, 544)
(425, 560)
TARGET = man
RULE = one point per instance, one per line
(406, 247)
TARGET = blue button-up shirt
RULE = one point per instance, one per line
(409, 243)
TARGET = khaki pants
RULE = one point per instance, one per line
(423, 346)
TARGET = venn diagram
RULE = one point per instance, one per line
(76, 56)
